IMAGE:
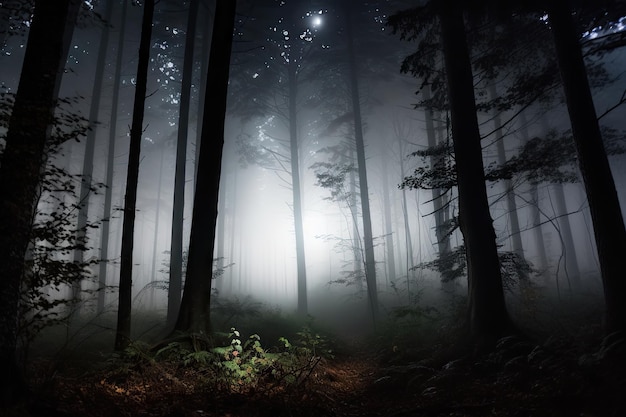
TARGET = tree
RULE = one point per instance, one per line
(22, 163)
(122, 336)
(440, 205)
(176, 251)
(488, 317)
(368, 240)
(606, 214)
(86, 187)
(108, 193)
(196, 302)
(274, 88)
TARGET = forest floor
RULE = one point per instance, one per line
(518, 378)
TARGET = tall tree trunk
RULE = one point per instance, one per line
(155, 239)
(292, 68)
(488, 317)
(122, 337)
(391, 261)
(22, 165)
(443, 238)
(90, 144)
(408, 239)
(110, 166)
(220, 239)
(357, 251)
(204, 67)
(196, 302)
(178, 210)
(608, 223)
(368, 239)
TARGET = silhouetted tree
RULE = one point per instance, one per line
(122, 337)
(196, 302)
(488, 317)
(368, 239)
(86, 186)
(606, 214)
(176, 251)
(22, 165)
(110, 164)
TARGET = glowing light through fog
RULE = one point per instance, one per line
(317, 21)
(314, 224)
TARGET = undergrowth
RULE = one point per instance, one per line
(232, 362)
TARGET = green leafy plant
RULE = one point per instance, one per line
(242, 363)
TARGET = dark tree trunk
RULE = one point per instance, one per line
(195, 305)
(488, 317)
(220, 240)
(391, 257)
(122, 337)
(357, 247)
(443, 238)
(108, 193)
(608, 223)
(368, 239)
(22, 164)
(204, 67)
(155, 240)
(90, 144)
(176, 250)
(408, 239)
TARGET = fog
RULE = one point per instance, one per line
(256, 237)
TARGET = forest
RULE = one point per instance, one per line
(312, 208)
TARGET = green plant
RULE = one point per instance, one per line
(314, 343)
(241, 363)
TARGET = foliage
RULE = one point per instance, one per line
(551, 159)
(441, 175)
(50, 269)
(333, 178)
(453, 265)
(218, 270)
(236, 363)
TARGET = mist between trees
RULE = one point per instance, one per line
(167, 167)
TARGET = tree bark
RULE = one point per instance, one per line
(488, 317)
(178, 210)
(22, 165)
(122, 337)
(195, 306)
(88, 158)
(368, 240)
(388, 224)
(110, 166)
(608, 223)
(443, 238)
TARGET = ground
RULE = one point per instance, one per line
(517, 378)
